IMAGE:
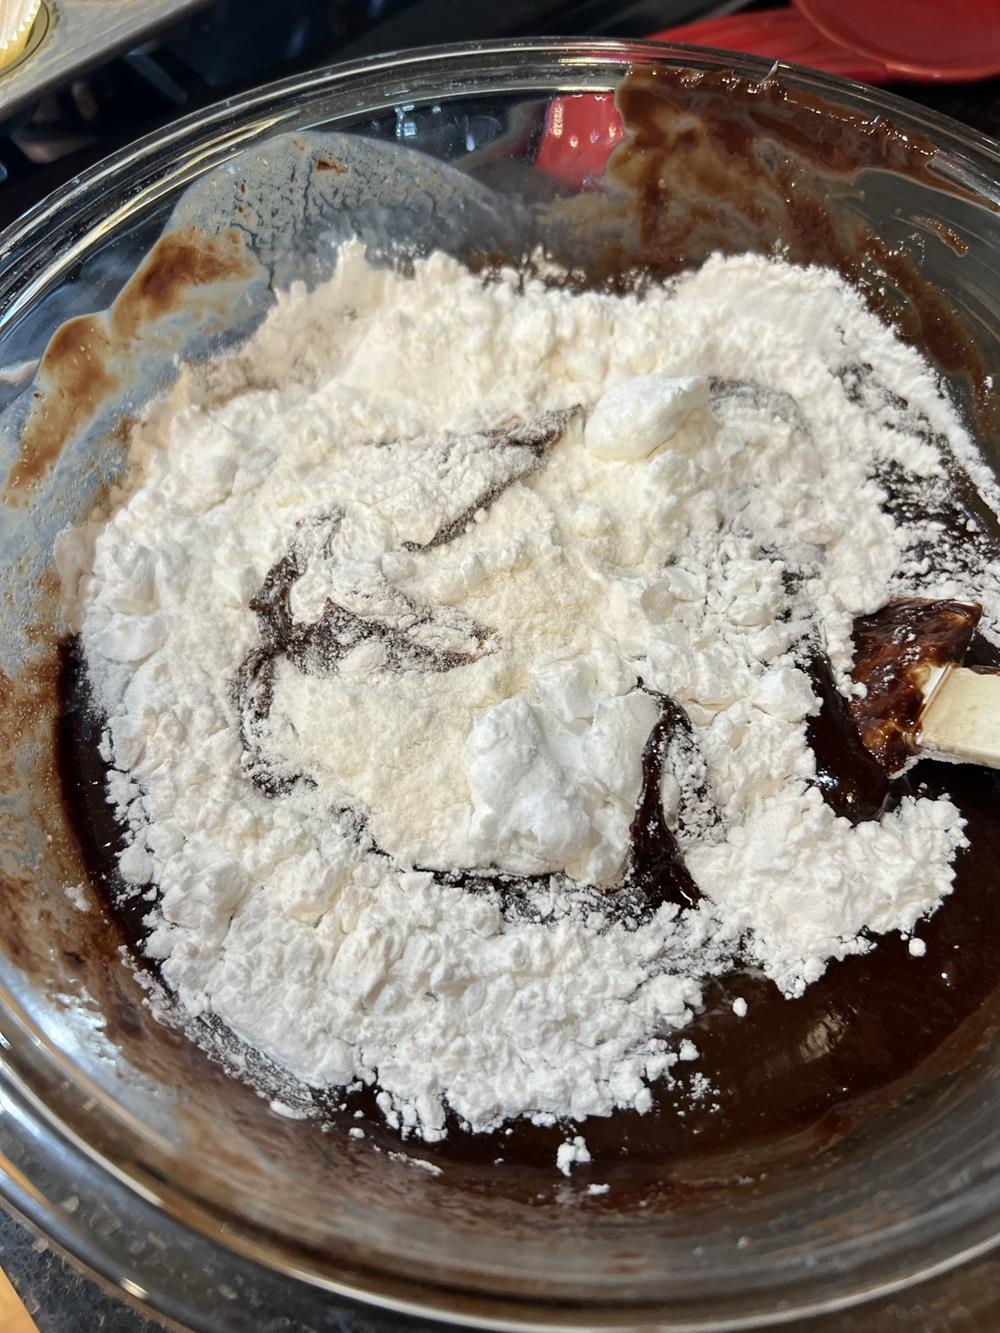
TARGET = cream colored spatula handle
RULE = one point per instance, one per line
(961, 719)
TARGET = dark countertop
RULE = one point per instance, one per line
(966, 1301)
(55, 1294)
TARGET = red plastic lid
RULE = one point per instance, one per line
(782, 34)
(926, 39)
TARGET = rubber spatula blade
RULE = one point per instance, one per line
(912, 695)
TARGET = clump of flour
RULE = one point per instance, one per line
(495, 722)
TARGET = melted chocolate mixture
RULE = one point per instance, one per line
(793, 1073)
(655, 872)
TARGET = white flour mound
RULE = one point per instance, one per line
(497, 720)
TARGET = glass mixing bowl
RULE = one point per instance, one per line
(122, 1141)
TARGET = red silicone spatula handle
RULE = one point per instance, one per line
(782, 34)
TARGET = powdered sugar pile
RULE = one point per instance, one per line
(499, 545)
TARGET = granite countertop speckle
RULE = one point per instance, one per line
(56, 1294)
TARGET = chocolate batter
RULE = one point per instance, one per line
(792, 1073)
(791, 1070)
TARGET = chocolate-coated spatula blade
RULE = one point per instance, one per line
(899, 655)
